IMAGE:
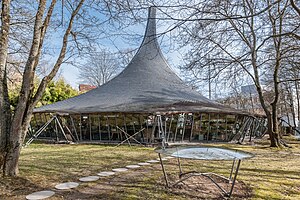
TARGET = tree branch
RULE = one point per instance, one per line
(296, 8)
(60, 59)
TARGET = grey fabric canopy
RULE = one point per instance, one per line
(146, 85)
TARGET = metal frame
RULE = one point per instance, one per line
(128, 136)
(57, 124)
(190, 174)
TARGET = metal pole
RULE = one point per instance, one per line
(192, 128)
(163, 169)
(90, 123)
(176, 130)
(39, 132)
(99, 126)
(226, 123)
(108, 128)
(170, 125)
(230, 177)
(208, 127)
(183, 129)
(179, 166)
(73, 124)
(200, 127)
(80, 128)
(234, 179)
(154, 127)
(62, 130)
(56, 128)
(209, 83)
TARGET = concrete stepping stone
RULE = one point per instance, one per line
(153, 161)
(163, 159)
(106, 173)
(144, 164)
(67, 185)
(89, 178)
(40, 195)
(132, 166)
(120, 169)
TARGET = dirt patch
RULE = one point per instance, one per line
(15, 188)
(201, 187)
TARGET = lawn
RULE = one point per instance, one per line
(271, 174)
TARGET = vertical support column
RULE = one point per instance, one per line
(176, 130)
(90, 128)
(183, 129)
(226, 128)
(153, 128)
(108, 128)
(125, 125)
(192, 128)
(80, 127)
(99, 127)
(217, 124)
(141, 117)
(147, 130)
(117, 130)
(170, 126)
(56, 129)
(200, 127)
(208, 127)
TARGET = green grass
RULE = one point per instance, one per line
(271, 174)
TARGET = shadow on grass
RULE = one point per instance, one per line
(13, 188)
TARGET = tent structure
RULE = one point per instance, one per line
(146, 99)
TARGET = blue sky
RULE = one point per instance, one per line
(71, 73)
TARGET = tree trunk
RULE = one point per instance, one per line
(27, 100)
(276, 136)
(16, 139)
(5, 114)
(12, 156)
(274, 140)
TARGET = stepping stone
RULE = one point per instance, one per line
(89, 178)
(169, 157)
(120, 169)
(106, 173)
(40, 195)
(153, 161)
(163, 159)
(67, 185)
(144, 164)
(132, 166)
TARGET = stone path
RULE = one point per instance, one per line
(40, 195)
(69, 185)
(66, 186)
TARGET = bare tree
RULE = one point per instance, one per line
(18, 124)
(254, 46)
(29, 33)
(5, 114)
(99, 68)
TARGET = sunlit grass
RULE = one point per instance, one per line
(271, 174)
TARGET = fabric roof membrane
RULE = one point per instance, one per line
(146, 85)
